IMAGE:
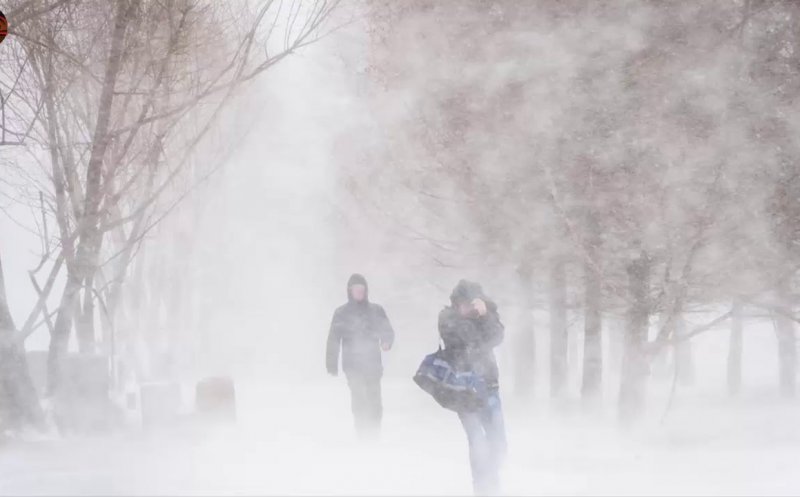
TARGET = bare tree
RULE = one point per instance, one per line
(121, 140)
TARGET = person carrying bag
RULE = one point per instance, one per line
(463, 377)
(460, 391)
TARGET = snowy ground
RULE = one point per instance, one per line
(299, 441)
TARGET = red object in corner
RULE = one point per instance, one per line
(3, 27)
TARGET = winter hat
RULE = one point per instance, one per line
(357, 279)
(466, 291)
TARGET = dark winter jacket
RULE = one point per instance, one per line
(359, 329)
(469, 341)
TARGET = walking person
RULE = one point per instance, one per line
(362, 331)
(470, 329)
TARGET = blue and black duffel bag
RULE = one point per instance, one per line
(460, 391)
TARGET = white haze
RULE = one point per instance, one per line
(274, 236)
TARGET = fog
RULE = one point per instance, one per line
(563, 155)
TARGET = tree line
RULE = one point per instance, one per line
(641, 156)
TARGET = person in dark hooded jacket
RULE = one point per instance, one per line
(361, 330)
(470, 329)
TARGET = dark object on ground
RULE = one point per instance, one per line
(215, 399)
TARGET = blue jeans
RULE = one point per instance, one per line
(486, 434)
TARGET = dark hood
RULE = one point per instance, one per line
(466, 291)
(357, 279)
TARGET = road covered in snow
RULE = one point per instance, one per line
(299, 441)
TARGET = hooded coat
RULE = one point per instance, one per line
(358, 329)
(469, 341)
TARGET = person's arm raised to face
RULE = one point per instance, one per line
(493, 329)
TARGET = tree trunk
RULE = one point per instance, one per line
(592, 339)
(592, 380)
(735, 350)
(616, 339)
(106, 314)
(127, 318)
(19, 403)
(558, 327)
(787, 343)
(59, 337)
(635, 366)
(154, 331)
(574, 337)
(684, 358)
(84, 324)
(525, 347)
(88, 227)
(663, 359)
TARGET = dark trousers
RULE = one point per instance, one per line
(486, 434)
(365, 395)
